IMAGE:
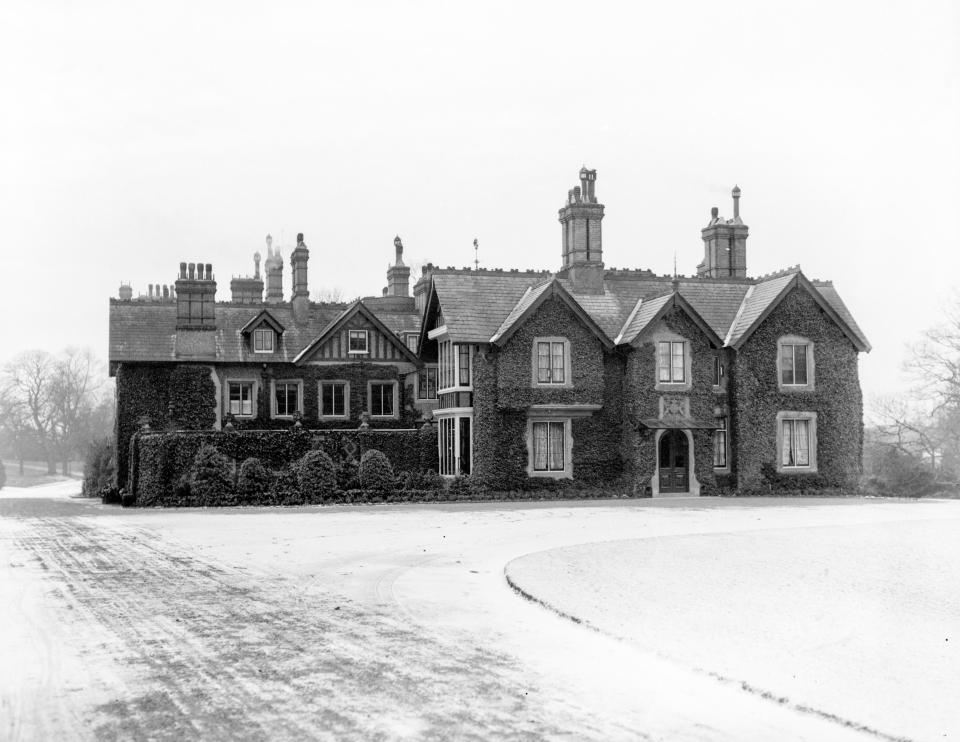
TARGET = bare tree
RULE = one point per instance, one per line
(332, 295)
(29, 378)
(77, 378)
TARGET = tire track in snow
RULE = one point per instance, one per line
(214, 653)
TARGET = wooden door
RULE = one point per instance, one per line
(673, 456)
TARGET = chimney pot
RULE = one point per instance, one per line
(191, 270)
(183, 270)
(209, 272)
(714, 212)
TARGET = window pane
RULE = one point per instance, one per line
(543, 363)
(358, 341)
(717, 371)
(540, 446)
(557, 370)
(720, 445)
(677, 361)
(800, 364)
(663, 361)
(786, 455)
(464, 365)
(556, 447)
(801, 443)
(786, 364)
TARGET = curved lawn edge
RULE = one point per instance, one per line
(526, 594)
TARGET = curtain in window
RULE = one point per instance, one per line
(543, 363)
(663, 361)
(801, 443)
(556, 447)
(786, 453)
(540, 446)
(720, 445)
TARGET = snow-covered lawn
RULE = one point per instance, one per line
(396, 622)
(861, 621)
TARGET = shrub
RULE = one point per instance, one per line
(376, 473)
(211, 482)
(286, 488)
(348, 476)
(99, 466)
(423, 480)
(316, 476)
(253, 480)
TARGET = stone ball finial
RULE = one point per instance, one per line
(299, 238)
(736, 191)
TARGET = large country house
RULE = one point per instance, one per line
(668, 384)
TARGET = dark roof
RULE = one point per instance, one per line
(480, 306)
(146, 332)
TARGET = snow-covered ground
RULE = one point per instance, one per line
(396, 622)
(861, 621)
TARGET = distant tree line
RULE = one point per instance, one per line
(53, 406)
(913, 445)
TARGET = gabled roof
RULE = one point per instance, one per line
(475, 304)
(357, 308)
(647, 313)
(531, 301)
(266, 317)
(766, 295)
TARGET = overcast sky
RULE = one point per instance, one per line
(134, 136)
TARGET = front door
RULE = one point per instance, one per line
(674, 476)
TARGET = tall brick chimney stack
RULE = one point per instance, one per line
(247, 290)
(580, 220)
(398, 275)
(301, 294)
(274, 270)
(196, 292)
(725, 244)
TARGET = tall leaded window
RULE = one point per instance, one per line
(263, 340)
(427, 383)
(551, 362)
(670, 361)
(795, 443)
(240, 396)
(382, 399)
(455, 361)
(720, 444)
(286, 398)
(455, 444)
(793, 364)
(333, 398)
(548, 446)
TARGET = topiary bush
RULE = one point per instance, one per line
(211, 481)
(316, 476)
(348, 476)
(376, 473)
(253, 481)
(285, 489)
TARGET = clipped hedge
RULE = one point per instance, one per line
(376, 474)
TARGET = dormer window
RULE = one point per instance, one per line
(551, 362)
(795, 364)
(359, 341)
(263, 340)
(670, 362)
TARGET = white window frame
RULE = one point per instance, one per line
(366, 342)
(264, 332)
(253, 397)
(456, 414)
(323, 415)
(396, 398)
(567, 471)
(449, 356)
(411, 336)
(687, 382)
(535, 363)
(794, 340)
(811, 419)
(273, 398)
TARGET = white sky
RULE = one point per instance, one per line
(134, 136)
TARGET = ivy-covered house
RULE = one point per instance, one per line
(184, 360)
(662, 384)
(677, 385)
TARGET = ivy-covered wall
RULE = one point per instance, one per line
(836, 399)
(357, 374)
(143, 392)
(193, 399)
(515, 361)
(642, 400)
